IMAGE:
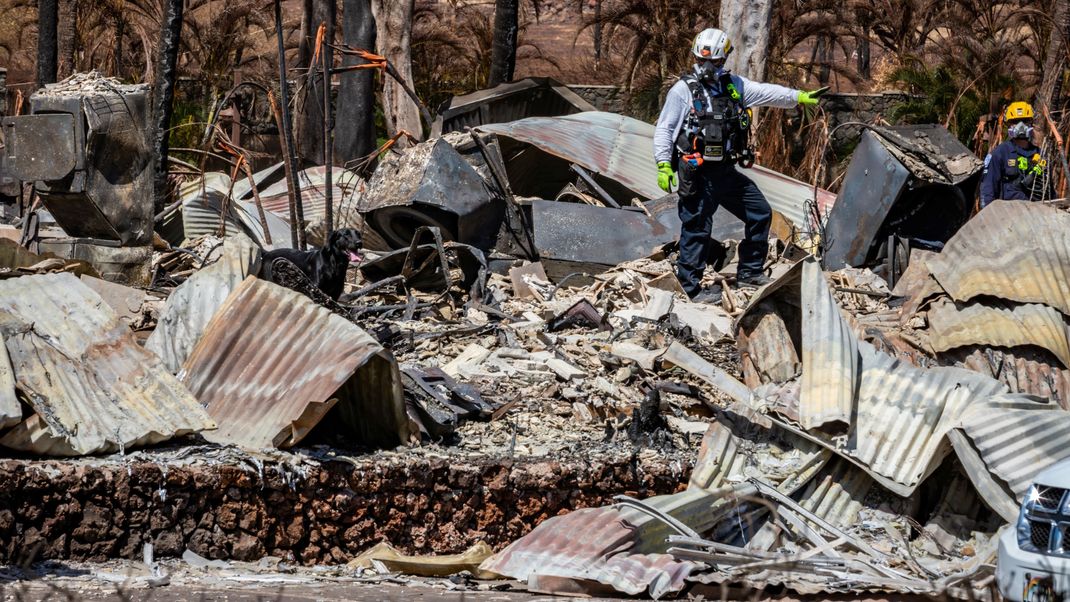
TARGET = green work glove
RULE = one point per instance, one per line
(810, 98)
(666, 177)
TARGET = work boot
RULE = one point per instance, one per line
(711, 296)
(752, 280)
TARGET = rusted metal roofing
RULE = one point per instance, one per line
(783, 459)
(510, 101)
(622, 149)
(591, 544)
(92, 387)
(990, 255)
(902, 415)
(1029, 371)
(834, 494)
(313, 192)
(977, 324)
(829, 355)
(10, 411)
(202, 204)
(1015, 436)
(190, 306)
(272, 363)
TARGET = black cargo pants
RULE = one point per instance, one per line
(703, 189)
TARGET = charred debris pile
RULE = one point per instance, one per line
(864, 423)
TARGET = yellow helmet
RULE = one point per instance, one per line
(1018, 110)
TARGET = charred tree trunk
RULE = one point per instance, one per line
(825, 50)
(747, 23)
(170, 37)
(68, 17)
(355, 133)
(393, 33)
(503, 50)
(597, 30)
(1055, 59)
(863, 53)
(310, 104)
(47, 43)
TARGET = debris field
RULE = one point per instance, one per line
(513, 375)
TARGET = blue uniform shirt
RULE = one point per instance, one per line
(1003, 174)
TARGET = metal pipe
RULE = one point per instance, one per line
(327, 56)
(293, 187)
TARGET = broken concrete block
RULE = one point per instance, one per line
(659, 304)
(707, 321)
(564, 370)
(522, 276)
(471, 356)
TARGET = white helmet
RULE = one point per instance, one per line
(711, 44)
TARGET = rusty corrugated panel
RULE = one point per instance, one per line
(779, 457)
(195, 301)
(902, 416)
(1018, 436)
(829, 355)
(202, 204)
(591, 544)
(903, 413)
(834, 494)
(271, 363)
(977, 324)
(1029, 371)
(530, 97)
(622, 149)
(313, 187)
(10, 411)
(1005, 441)
(93, 388)
(1013, 250)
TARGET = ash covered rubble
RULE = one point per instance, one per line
(517, 299)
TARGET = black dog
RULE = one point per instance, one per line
(326, 267)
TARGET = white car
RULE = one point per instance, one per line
(1034, 557)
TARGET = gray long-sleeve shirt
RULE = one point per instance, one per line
(678, 105)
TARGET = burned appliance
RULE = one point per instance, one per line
(908, 186)
(86, 146)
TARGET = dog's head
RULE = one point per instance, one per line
(347, 241)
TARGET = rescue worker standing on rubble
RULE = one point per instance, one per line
(1015, 170)
(702, 134)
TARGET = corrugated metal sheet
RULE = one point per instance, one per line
(1016, 436)
(1033, 372)
(195, 301)
(313, 197)
(510, 101)
(782, 458)
(202, 203)
(10, 411)
(903, 413)
(902, 416)
(977, 324)
(829, 355)
(622, 149)
(834, 494)
(271, 363)
(1013, 250)
(591, 544)
(93, 388)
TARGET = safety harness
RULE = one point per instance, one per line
(717, 127)
(1027, 173)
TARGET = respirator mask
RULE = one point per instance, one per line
(1020, 130)
(709, 71)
